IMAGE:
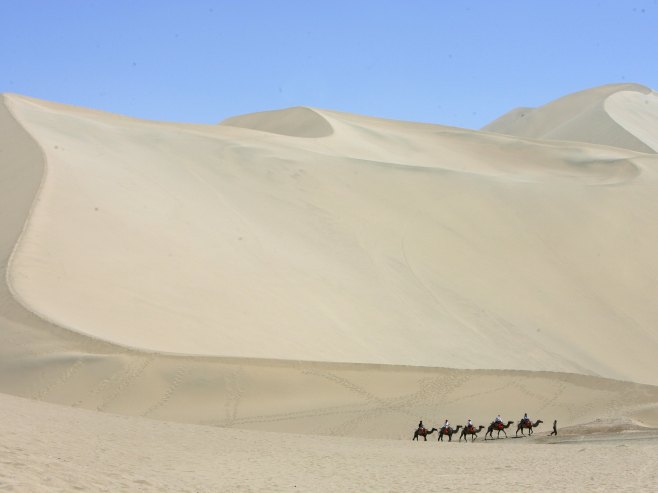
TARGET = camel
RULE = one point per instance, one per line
(499, 427)
(529, 424)
(448, 431)
(470, 431)
(422, 432)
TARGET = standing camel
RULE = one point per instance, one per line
(497, 426)
(470, 430)
(448, 431)
(422, 432)
(527, 424)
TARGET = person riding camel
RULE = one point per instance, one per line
(498, 422)
(421, 426)
(446, 425)
(525, 419)
(469, 425)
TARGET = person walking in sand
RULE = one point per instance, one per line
(554, 432)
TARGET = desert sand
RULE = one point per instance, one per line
(51, 448)
(315, 282)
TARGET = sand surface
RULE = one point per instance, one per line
(275, 301)
(620, 115)
(52, 448)
(383, 242)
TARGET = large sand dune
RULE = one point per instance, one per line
(321, 272)
(620, 115)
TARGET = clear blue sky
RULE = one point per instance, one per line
(458, 63)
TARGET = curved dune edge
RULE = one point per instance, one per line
(579, 117)
(637, 113)
(45, 362)
(293, 122)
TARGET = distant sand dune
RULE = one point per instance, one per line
(591, 116)
(294, 122)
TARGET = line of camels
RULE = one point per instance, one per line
(471, 430)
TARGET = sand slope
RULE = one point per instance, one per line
(319, 272)
(379, 243)
(620, 115)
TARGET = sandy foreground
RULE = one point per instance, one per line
(272, 303)
(53, 448)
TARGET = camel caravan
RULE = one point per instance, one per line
(496, 425)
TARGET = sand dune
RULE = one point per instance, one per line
(620, 115)
(383, 242)
(294, 122)
(324, 273)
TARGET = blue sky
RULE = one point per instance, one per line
(459, 63)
